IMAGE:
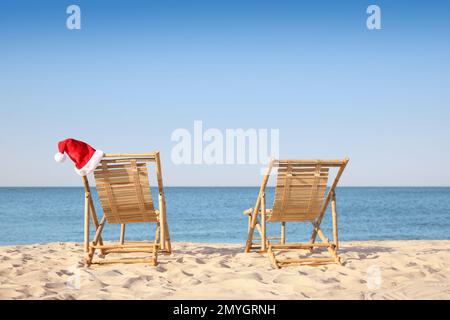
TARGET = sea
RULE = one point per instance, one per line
(215, 215)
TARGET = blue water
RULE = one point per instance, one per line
(37, 215)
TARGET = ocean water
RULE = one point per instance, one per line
(214, 214)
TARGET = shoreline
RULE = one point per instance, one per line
(379, 269)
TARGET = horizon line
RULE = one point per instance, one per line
(249, 186)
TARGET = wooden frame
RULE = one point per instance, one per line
(315, 172)
(161, 242)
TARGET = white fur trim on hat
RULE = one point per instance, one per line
(60, 157)
(91, 164)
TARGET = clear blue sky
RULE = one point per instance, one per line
(137, 70)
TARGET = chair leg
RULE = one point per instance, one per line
(249, 226)
(93, 213)
(256, 224)
(168, 248)
(168, 243)
(263, 223)
(95, 221)
(283, 233)
(157, 233)
(249, 242)
(86, 230)
(162, 231)
(332, 248)
(155, 255)
(258, 228)
(251, 231)
(334, 217)
(272, 258)
(96, 240)
(122, 233)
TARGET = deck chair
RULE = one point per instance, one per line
(123, 188)
(301, 195)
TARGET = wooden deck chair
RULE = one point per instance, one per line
(301, 195)
(123, 188)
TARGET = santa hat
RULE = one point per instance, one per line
(85, 157)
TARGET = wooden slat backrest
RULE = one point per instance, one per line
(301, 189)
(299, 193)
(124, 190)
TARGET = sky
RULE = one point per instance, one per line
(137, 71)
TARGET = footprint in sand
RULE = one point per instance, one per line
(194, 282)
(224, 265)
(329, 280)
(430, 269)
(132, 281)
(199, 261)
(54, 285)
(187, 273)
(66, 296)
(250, 276)
(112, 273)
(160, 268)
(411, 264)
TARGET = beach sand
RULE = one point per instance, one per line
(371, 270)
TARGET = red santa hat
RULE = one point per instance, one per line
(85, 157)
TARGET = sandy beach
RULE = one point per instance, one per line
(371, 270)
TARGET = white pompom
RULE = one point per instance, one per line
(60, 157)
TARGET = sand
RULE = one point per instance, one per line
(371, 270)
